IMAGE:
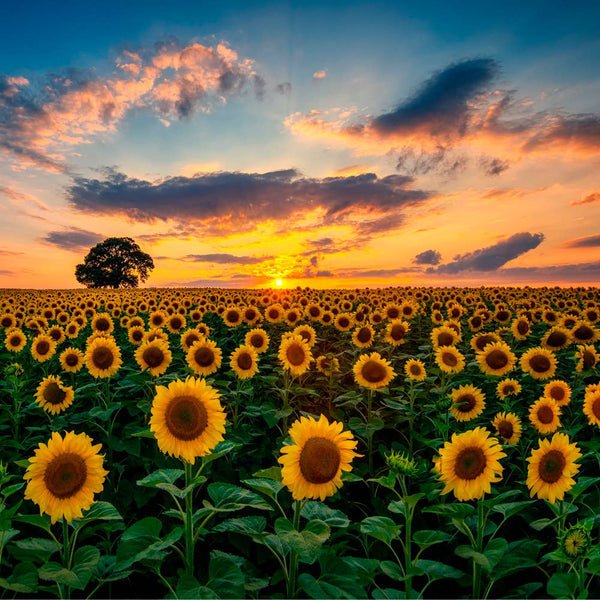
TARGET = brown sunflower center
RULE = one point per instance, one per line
(72, 360)
(583, 333)
(415, 369)
(502, 316)
(509, 388)
(344, 322)
(545, 414)
(42, 347)
(273, 313)
(397, 332)
(557, 392)
(55, 334)
(540, 363)
(314, 311)
(102, 357)
(137, 335)
(295, 354)
(496, 359)
(476, 321)
(470, 463)
(176, 323)
(319, 460)
(190, 339)
(257, 340)
(65, 475)
(6, 322)
(232, 316)
(186, 417)
(53, 393)
(244, 361)
(483, 340)
(505, 429)
(204, 356)
(465, 403)
(557, 339)
(153, 356)
(363, 335)
(393, 313)
(596, 407)
(15, 340)
(551, 466)
(449, 359)
(102, 324)
(306, 336)
(589, 360)
(374, 371)
(445, 339)
(250, 314)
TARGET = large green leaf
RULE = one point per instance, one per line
(227, 497)
(380, 528)
(268, 487)
(225, 576)
(23, 579)
(252, 526)
(189, 588)
(318, 510)
(306, 543)
(563, 585)
(438, 570)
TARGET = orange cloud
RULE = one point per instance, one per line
(589, 199)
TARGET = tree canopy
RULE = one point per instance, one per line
(113, 263)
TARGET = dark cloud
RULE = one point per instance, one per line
(226, 259)
(492, 257)
(591, 241)
(443, 160)
(582, 129)
(242, 199)
(441, 106)
(378, 272)
(324, 274)
(377, 226)
(260, 86)
(73, 239)
(283, 88)
(589, 199)
(494, 166)
(5, 272)
(429, 257)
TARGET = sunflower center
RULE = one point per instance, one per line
(314, 311)
(558, 393)
(190, 339)
(65, 475)
(470, 463)
(102, 357)
(295, 354)
(15, 341)
(274, 313)
(589, 360)
(476, 321)
(319, 460)
(72, 360)
(449, 359)
(244, 361)
(496, 359)
(153, 356)
(509, 389)
(545, 414)
(374, 371)
(250, 314)
(465, 402)
(551, 466)
(257, 340)
(503, 315)
(505, 429)
(397, 332)
(186, 417)
(233, 316)
(483, 341)
(445, 339)
(292, 317)
(306, 336)
(6, 322)
(557, 339)
(540, 363)
(204, 356)
(43, 347)
(596, 407)
(344, 322)
(53, 394)
(415, 369)
(393, 313)
(364, 335)
(583, 333)
(102, 324)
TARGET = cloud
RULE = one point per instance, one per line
(494, 166)
(317, 75)
(589, 199)
(591, 241)
(42, 118)
(225, 259)
(284, 88)
(6, 273)
(379, 226)
(492, 257)
(10, 253)
(238, 201)
(73, 239)
(429, 257)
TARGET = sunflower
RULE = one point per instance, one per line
(244, 362)
(508, 387)
(232, 316)
(103, 357)
(469, 464)
(43, 347)
(102, 323)
(468, 402)
(312, 466)
(294, 354)
(343, 321)
(556, 338)
(251, 315)
(587, 357)
(449, 359)
(292, 316)
(591, 406)
(187, 418)
(539, 363)
(584, 333)
(258, 339)
(559, 391)
(56, 332)
(8, 321)
(443, 336)
(328, 365)
(71, 360)
(15, 340)
(362, 337)
(274, 313)
(157, 319)
(575, 541)
(154, 356)
(53, 396)
(203, 357)
(64, 475)
(551, 468)
(496, 359)
(175, 323)
(203, 329)
(188, 337)
(372, 371)
(314, 311)
(508, 427)
(392, 311)
(415, 369)
(481, 340)
(308, 334)
(520, 328)
(476, 322)
(155, 334)
(544, 415)
(72, 329)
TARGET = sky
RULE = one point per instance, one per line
(324, 144)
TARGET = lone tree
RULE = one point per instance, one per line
(115, 262)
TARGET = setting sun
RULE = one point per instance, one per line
(278, 283)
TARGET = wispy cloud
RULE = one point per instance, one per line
(319, 74)
(73, 239)
(225, 259)
(591, 241)
(589, 199)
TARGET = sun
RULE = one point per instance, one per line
(278, 282)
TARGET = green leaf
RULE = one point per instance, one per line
(327, 586)
(318, 510)
(465, 551)
(380, 528)
(540, 524)
(451, 511)
(225, 576)
(41, 521)
(392, 570)
(146, 433)
(11, 489)
(188, 587)
(36, 548)
(438, 570)
(306, 543)
(401, 506)
(268, 487)
(105, 569)
(84, 561)
(364, 568)
(6, 534)
(23, 579)
(509, 509)
(99, 511)
(161, 476)
(521, 554)
(428, 537)
(563, 585)
(53, 571)
(273, 473)
(251, 526)
(388, 593)
(494, 551)
(227, 497)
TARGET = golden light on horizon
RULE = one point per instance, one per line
(278, 282)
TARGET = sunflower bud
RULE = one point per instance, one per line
(575, 541)
(401, 465)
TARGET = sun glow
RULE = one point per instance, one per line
(278, 282)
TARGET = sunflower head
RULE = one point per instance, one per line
(396, 331)
(203, 357)
(312, 465)
(244, 362)
(15, 340)
(508, 387)
(373, 372)
(508, 427)
(43, 347)
(258, 339)
(294, 354)
(591, 405)
(496, 359)
(53, 396)
(575, 541)
(362, 336)
(559, 391)
(415, 369)
(539, 363)
(587, 357)
(468, 402)
(103, 357)
(328, 364)
(154, 356)
(449, 359)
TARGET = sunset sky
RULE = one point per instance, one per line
(325, 144)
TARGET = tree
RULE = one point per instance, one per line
(115, 262)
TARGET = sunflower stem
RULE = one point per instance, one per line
(291, 583)
(370, 431)
(479, 548)
(189, 530)
(66, 552)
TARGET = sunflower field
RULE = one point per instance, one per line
(210, 443)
